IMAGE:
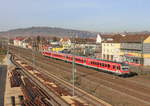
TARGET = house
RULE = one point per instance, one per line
(65, 42)
(23, 42)
(18, 41)
(83, 46)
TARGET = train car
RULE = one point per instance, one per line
(118, 68)
(79, 60)
(69, 58)
(114, 67)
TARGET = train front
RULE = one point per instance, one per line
(125, 69)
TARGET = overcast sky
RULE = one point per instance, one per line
(93, 15)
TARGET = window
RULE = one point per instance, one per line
(108, 65)
(102, 64)
(114, 67)
(118, 67)
(97, 63)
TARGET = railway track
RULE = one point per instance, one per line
(129, 89)
(90, 100)
(40, 85)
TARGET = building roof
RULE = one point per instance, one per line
(134, 38)
(84, 40)
(124, 38)
(64, 39)
(19, 38)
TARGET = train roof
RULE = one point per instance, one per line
(103, 60)
(123, 63)
(109, 61)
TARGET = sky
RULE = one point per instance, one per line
(92, 15)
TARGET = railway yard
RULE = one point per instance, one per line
(46, 77)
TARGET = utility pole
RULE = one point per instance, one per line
(142, 57)
(19, 50)
(33, 56)
(7, 45)
(73, 67)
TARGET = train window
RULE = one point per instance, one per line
(105, 65)
(96, 63)
(108, 65)
(102, 64)
(114, 67)
(118, 67)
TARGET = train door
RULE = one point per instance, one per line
(87, 61)
(117, 68)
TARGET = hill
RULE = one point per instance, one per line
(46, 31)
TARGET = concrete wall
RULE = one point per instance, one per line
(131, 46)
(146, 48)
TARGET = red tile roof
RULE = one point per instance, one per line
(124, 38)
(19, 38)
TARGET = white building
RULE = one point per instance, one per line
(21, 42)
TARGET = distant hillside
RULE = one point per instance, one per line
(46, 31)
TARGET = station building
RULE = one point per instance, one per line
(134, 49)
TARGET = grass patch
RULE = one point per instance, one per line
(3, 53)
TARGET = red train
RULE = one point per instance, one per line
(118, 68)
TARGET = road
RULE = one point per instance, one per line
(3, 72)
